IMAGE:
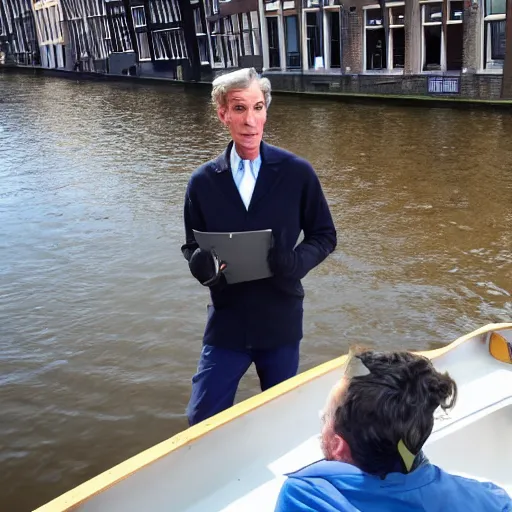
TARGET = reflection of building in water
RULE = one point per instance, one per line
(379, 46)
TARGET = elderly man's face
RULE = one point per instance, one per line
(245, 115)
(334, 446)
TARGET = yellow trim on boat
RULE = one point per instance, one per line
(75, 497)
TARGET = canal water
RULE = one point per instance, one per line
(100, 321)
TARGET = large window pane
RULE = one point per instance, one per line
(373, 17)
(313, 37)
(398, 15)
(375, 50)
(495, 7)
(456, 10)
(292, 42)
(497, 40)
(432, 48)
(398, 35)
(433, 12)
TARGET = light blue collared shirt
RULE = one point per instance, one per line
(237, 167)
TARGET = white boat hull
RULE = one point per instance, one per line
(236, 460)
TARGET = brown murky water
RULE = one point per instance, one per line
(100, 321)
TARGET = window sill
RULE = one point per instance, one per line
(378, 72)
(490, 72)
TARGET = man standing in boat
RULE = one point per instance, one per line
(252, 186)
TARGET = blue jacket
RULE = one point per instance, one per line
(287, 198)
(329, 486)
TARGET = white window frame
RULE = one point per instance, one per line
(231, 39)
(305, 11)
(391, 37)
(272, 7)
(424, 24)
(139, 35)
(217, 36)
(137, 8)
(454, 22)
(389, 69)
(486, 55)
(328, 9)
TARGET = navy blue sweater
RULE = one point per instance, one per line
(287, 199)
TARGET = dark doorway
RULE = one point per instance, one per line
(313, 37)
(335, 40)
(454, 35)
(398, 48)
(375, 49)
(432, 48)
(273, 42)
(291, 28)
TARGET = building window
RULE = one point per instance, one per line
(397, 37)
(216, 46)
(273, 42)
(454, 35)
(334, 37)
(97, 44)
(169, 44)
(139, 17)
(224, 43)
(375, 40)
(198, 22)
(120, 36)
(143, 45)
(248, 31)
(203, 50)
(456, 11)
(271, 6)
(164, 11)
(201, 35)
(314, 48)
(382, 53)
(291, 30)
(432, 22)
(139, 22)
(494, 34)
(442, 49)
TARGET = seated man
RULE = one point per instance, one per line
(376, 418)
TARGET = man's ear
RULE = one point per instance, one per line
(341, 450)
(222, 114)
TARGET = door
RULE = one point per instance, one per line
(273, 42)
(335, 39)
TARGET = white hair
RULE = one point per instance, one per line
(239, 79)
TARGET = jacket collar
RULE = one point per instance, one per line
(271, 159)
(342, 472)
(270, 156)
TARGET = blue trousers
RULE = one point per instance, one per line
(219, 372)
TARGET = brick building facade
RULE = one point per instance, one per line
(453, 48)
(414, 47)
